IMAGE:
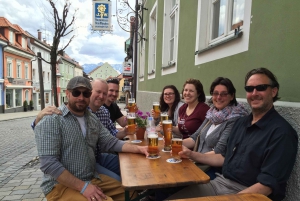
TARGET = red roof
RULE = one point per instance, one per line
(5, 23)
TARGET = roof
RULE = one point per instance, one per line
(5, 23)
(68, 58)
(20, 30)
(3, 38)
(98, 68)
(37, 40)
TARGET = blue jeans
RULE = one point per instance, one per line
(108, 164)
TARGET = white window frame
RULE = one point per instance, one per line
(24, 42)
(142, 58)
(152, 42)
(19, 69)
(170, 65)
(203, 34)
(11, 36)
(33, 74)
(26, 71)
(9, 71)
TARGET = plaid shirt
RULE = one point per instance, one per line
(103, 115)
(61, 136)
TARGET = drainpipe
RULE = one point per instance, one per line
(31, 76)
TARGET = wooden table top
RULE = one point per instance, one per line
(139, 173)
(235, 197)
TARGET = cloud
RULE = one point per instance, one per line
(86, 47)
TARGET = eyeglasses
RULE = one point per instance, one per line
(85, 94)
(261, 87)
(222, 94)
(168, 94)
(113, 80)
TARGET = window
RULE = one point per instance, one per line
(9, 98)
(47, 98)
(26, 71)
(43, 76)
(18, 99)
(33, 74)
(218, 22)
(48, 77)
(142, 55)
(152, 41)
(19, 75)
(33, 49)
(170, 36)
(9, 69)
(39, 101)
(23, 42)
(11, 36)
(27, 96)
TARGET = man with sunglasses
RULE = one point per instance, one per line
(261, 148)
(66, 146)
(110, 103)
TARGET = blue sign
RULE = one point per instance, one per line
(102, 15)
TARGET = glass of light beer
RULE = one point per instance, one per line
(164, 116)
(167, 128)
(176, 147)
(153, 144)
(156, 110)
(131, 123)
(131, 106)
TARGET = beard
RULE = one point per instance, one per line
(79, 106)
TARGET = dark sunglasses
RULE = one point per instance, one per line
(85, 94)
(261, 87)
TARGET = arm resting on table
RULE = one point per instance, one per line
(258, 188)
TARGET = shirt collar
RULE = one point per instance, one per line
(264, 120)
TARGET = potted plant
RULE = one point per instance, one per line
(141, 121)
(31, 105)
(25, 105)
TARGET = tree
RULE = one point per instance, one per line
(61, 29)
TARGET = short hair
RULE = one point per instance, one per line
(113, 80)
(228, 84)
(269, 74)
(100, 80)
(199, 87)
(163, 105)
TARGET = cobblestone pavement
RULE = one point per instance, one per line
(20, 176)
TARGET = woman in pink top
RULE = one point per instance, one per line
(192, 113)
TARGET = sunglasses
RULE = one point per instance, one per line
(85, 94)
(261, 87)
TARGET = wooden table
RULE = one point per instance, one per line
(235, 197)
(140, 173)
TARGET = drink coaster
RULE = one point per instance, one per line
(173, 160)
(160, 138)
(136, 141)
(153, 157)
(163, 150)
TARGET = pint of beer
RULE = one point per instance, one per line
(167, 128)
(131, 105)
(131, 123)
(164, 116)
(153, 144)
(176, 147)
(156, 110)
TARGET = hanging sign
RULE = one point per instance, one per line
(102, 15)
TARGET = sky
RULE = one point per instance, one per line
(86, 47)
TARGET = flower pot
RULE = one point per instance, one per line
(140, 133)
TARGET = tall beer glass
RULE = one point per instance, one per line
(164, 116)
(167, 128)
(153, 144)
(131, 105)
(176, 147)
(131, 123)
(156, 110)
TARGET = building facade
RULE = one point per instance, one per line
(3, 43)
(104, 72)
(206, 39)
(40, 45)
(16, 66)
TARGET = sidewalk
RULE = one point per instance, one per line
(17, 115)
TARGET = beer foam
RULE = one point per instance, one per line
(156, 104)
(167, 122)
(152, 135)
(131, 117)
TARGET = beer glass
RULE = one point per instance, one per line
(167, 128)
(131, 123)
(164, 116)
(153, 144)
(131, 105)
(156, 110)
(176, 147)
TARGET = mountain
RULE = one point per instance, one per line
(87, 68)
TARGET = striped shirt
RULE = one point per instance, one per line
(61, 136)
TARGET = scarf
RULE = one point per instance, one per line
(231, 111)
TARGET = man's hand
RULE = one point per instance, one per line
(185, 153)
(95, 192)
(47, 111)
(143, 150)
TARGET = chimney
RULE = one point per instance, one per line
(39, 35)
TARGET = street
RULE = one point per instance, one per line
(19, 172)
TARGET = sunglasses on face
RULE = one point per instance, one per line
(261, 87)
(77, 93)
